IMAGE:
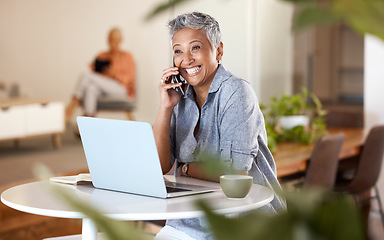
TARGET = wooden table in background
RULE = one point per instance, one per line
(294, 157)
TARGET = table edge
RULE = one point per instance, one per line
(134, 216)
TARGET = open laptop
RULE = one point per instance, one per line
(122, 156)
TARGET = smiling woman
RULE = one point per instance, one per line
(196, 59)
(218, 115)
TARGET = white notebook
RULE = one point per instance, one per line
(75, 179)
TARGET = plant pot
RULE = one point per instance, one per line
(288, 122)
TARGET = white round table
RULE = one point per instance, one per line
(36, 198)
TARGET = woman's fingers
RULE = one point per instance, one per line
(171, 85)
(167, 86)
(167, 73)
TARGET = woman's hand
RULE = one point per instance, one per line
(169, 97)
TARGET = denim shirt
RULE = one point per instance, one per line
(231, 126)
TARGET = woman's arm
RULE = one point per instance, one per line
(195, 170)
(161, 131)
(161, 128)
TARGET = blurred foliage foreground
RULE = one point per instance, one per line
(363, 16)
(312, 214)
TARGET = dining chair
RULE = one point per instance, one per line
(366, 174)
(322, 166)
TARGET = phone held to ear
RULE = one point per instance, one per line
(177, 79)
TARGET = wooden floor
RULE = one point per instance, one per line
(16, 167)
(17, 163)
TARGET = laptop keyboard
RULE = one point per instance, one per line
(174, 189)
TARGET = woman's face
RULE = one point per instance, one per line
(195, 57)
(114, 41)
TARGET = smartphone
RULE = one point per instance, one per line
(177, 79)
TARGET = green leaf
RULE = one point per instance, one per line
(213, 165)
(312, 214)
(364, 16)
(162, 7)
(113, 229)
(301, 1)
(310, 16)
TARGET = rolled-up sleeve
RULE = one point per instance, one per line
(240, 122)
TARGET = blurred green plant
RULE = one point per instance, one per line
(312, 215)
(213, 165)
(303, 103)
(113, 229)
(163, 7)
(363, 16)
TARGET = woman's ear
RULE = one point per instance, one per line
(219, 54)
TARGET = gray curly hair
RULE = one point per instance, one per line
(197, 20)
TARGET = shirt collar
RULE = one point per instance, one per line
(221, 75)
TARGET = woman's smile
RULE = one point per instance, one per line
(193, 71)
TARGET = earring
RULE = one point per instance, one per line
(219, 61)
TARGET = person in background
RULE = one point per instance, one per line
(112, 74)
(218, 114)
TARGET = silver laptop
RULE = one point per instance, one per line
(122, 156)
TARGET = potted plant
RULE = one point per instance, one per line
(294, 118)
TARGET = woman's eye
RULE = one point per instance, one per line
(177, 51)
(195, 48)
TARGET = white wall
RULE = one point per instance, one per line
(274, 48)
(45, 45)
(232, 17)
(257, 39)
(373, 89)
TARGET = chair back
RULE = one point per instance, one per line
(369, 166)
(322, 168)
